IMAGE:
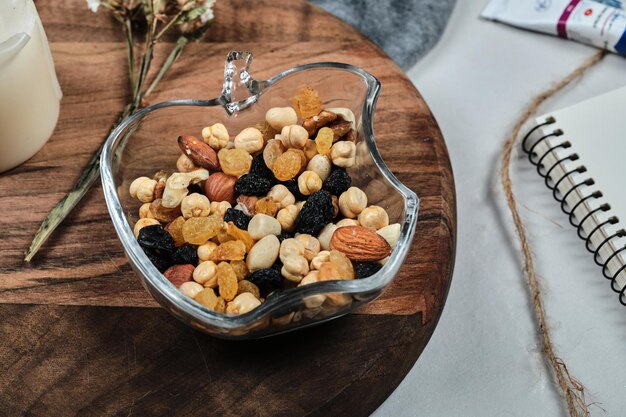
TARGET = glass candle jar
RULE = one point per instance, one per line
(29, 91)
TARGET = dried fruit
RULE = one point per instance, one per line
(329, 272)
(198, 230)
(238, 234)
(238, 217)
(267, 280)
(324, 140)
(220, 187)
(220, 305)
(156, 239)
(200, 153)
(267, 131)
(266, 206)
(207, 298)
(360, 244)
(307, 102)
(240, 268)
(252, 184)
(272, 151)
(233, 250)
(185, 254)
(227, 281)
(160, 261)
(316, 213)
(343, 264)
(175, 229)
(259, 167)
(247, 286)
(337, 182)
(234, 162)
(287, 166)
(366, 269)
(179, 274)
(163, 214)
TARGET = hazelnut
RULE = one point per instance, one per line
(205, 251)
(309, 182)
(220, 207)
(352, 202)
(243, 303)
(287, 217)
(319, 259)
(142, 189)
(311, 245)
(206, 274)
(190, 288)
(281, 196)
(220, 187)
(141, 223)
(216, 136)
(343, 154)
(290, 248)
(247, 204)
(320, 164)
(294, 136)
(144, 210)
(250, 139)
(295, 268)
(279, 117)
(195, 205)
(184, 164)
(374, 218)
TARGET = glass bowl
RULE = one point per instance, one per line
(145, 143)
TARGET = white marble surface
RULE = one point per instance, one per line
(483, 359)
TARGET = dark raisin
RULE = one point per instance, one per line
(267, 280)
(292, 186)
(159, 261)
(337, 182)
(186, 254)
(316, 213)
(284, 236)
(252, 184)
(156, 239)
(238, 217)
(259, 168)
(365, 269)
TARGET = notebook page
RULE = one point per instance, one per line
(596, 128)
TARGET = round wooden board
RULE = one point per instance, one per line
(67, 350)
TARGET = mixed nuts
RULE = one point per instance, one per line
(269, 209)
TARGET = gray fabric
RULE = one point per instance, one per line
(405, 29)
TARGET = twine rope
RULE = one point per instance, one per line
(572, 389)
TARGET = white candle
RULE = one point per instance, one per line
(29, 91)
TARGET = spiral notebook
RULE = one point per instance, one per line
(580, 151)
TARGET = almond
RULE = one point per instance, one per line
(360, 244)
(200, 153)
(220, 187)
(179, 274)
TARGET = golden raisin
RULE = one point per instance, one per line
(287, 166)
(235, 162)
(273, 149)
(234, 250)
(247, 286)
(303, 160)
(223, 236)
(175, 229)
(310, 149)
(198, 230)
(220, 305)
(207, 298)
(307, 102)
(342, 264)
(329, 272)
(227, 281)
(268, 131)
(324, 140)
(240, 268)
(237, 234)
(266, 206)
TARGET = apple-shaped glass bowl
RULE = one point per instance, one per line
(145, 143)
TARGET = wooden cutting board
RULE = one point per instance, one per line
(79, 334)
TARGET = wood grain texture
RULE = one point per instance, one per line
(79, 360)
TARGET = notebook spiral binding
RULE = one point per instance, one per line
(545, 172)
